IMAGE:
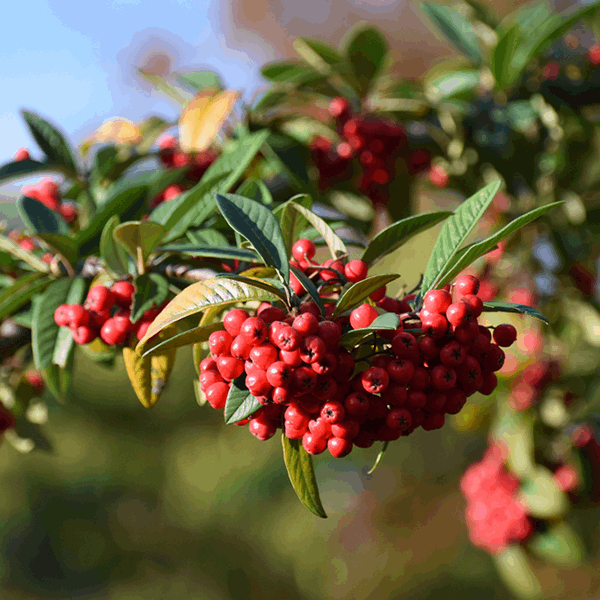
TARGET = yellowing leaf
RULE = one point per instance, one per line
(203, 117)
(149, 375)
(117, 130)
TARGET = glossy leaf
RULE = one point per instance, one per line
(397, 234)
(311, 288)
(139, 234)
(386, 321)
(112, 253)
(366, 49)
(10, 246)
(225, 253)
(474, 251)
(216, 292)
(185, 338)
(291, 221)
(541, 496)
(514, 570)
(64, 344)
(256, 190)
(240, 402)
(455, 231)
(149, 375)
(510, 307)
(457, 29)
(558, 545)
(23, 168)
(151, 291)
(50, 141)
(258, 282)
(38, 218)
(357, 293)
(258, 225)
(298, 463)
(23, 290)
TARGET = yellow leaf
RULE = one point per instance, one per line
(149, 375)
(203, 117)
(118, 130)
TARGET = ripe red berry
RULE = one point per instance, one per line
(269, 314)
(254, 329)
(375, 380)
(339, 107)
(330, 332)
(21, 154)
(416, 399)
(458, 313)
(304, 380)
(240, 347)
(395, 394)
(466, 284)
(363, 316)
(505, 335)
(281, 395)
(490, 381)
(347, 429)
(453, 354)
(112, 333)
(339, 447)
(262, 429)
(291, 358)
(455, 401)
(313, 444)
(312, 349)
(306, 324)
(279, 374)
(593, 57)
(123, 293)
(421, 379)
(84, 334)
(263, 355)
(219, 343)
(356, 405)
(207, 378)
(435, 326)
(303, 249)
(443, 378)
(77, 316)
(325, 365)
(331, 274)
(61, 315)
(230, 368)
(494, 359)
(378, 294)
(434, 420)
(356, 270)
(404, 345)
(466, 333)
(234, 320)
(437, 301)
(333, 412)
(435, 401)
(399, 418)
(296, 416)
(100, 298)
(476, 304)
(401, 370)
(257, 383)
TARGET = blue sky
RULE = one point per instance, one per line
(72, 62)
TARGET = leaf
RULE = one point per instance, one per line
(502, 55)
(510, 307)
(298, 463)
(257, 282)
(454, 233)
(455, 83)
(386, 321)
(212, 237)
(240, 402)
(148, 375)
(197, 80)
(378, 459)
(139, 234)
(514, 570)
(13, 298)
(541, 496)
(366, 49)
(10, 246)
(291, 158)
(292, 223)
(334, 243)
(24, 168)
(38, 218)
(50, 141)
(180, 96)
(456, 28)
(258, 225)
(474, 251)
(151, 290)
(60, 244)
(58, 380)
(216, 292)
(310, 287)
(64, 344)
(185, 338)
(203, 117)
(288, 71)
(558, 545)
(397, 234)
(112, 253)
(256, 190)
(227, 252)
(360, 291)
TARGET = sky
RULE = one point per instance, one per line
(73, 62)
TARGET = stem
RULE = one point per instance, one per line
(141, 265)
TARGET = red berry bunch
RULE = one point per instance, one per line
(174, 158)
(494, 515)
(105, 314)
(47, 192)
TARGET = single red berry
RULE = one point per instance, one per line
(291, 358)
(401, 370)
(339, 447)
(404, 345)
(453, 354)
(234, 320)
(356, 405)
(375, 380)
(331, 274)
(112, 333)
(77, 316)
(399, 418)
(476, 304)
(207, 378)
(356, 270)
(230, 368)
(345, 366)
(363, 316)
(443, 378)
(421, 379)
(330, 332)
(437, 301)
(435, 326)
(466, 333)
(262, 429)
(469, 370)
(395, 394)
(333, 412)
(281, 395)
(320, 428)
(257, 383)
(378, 294)
(339, 107)
(593, 57)
(313, 444)
(428, 348)
(208, 364)
(325, 365)
(312, 349)
(455, 401)
(61, 315)
(21, 154)
(466, 284)
(123, 293)
(435, 401)
(459, 313)
(84, 334)
(494, 359)
(219, 343)
(296, 416)
(303, 249)
(240, 347)
(254, 329)
(364, 439)
(123, 320)
(416, 399)
(100, 298)
(279, 374)
(304, 380)
(269, 314)
(347, 429)
(490, 381)
(263, 355)
(306, 324)
(141, 328)
(505, 335)
(434, 420)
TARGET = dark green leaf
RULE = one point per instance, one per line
(197, 80)
(397, 234)
(212, 237)
(256, 190)
(454, 233)
(240, 402)
(38, 218)
(23, 168)
(50, 141)
(58, 380)
(112, 253)
(185, 338)
(64, 343)
(456, 28)
(509, 307)
(291, 221)
(288, 71)
(258, 225)
(151, 291)
(13, 298)
(60, 244)
(385, 321)
(366, 49)
(228, 252)
(358, 292)
(502, 56)
(298, 463)
(292, 158)
(310, 287)
(269, 100)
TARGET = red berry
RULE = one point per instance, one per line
(395, 394)
(593, 57)
(77, 316)
(347, 429)
(312, 349)
(433, 421)
(453, 354)
(281, 395)
(437, 301)
(257, 383)
(399, 418)
(279, 374)
(296, 416)
(313, 444)
(254, 329)
(84, 334)
(325, 365)
(490, 381)
(466, 333)
(100, 298)
(494, 359)
(21, 154)
(269, 314)
(356, 270)
(333, 412)
(304, 380)
(331, 274)
(112, 333)
(219, 343)
(505, 335)
(416, 399)
(240, 347)
(421, 379)
(339, 447)
(435, 326)
(378, 294)
(435, 401)
(375, 380)
(363, 316)
(458, 313)
(443, 378)
(123, 293)
(230, 368)
(262, 429)
(207, 378)
(141, 328)
(455, 401)
(466, 284)
(476, 304)
(356, 405)
(234, 320)
(404, 345)
(345, 366)
(306, 324)
(61, 315)
(339, 107)
(401, 370)
(263, 355)
(330, 332)
(303, 249)
(291, 358)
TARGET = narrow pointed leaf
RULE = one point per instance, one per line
(386, 321)
(366, 50)
(378, 459)
(292, 222)
(298, 463)
(30, 258)
(64, 345)
(258, 283)
(514, 570)
(358, 292)
(212, 237)
(558, 545)
(310, 287)
(61, 244)
(38, 218)
(24, 289)
(227, 252)
(151, 291)
(541, 496)
(256, 190)
(185, 338)
(23, 168)
(510, 307)
(240, 402)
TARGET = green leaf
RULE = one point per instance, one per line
(205, 294)
(198, 80)
(324, 51)
(227, 252)
(212, 237)
(185, 338)
(456, 28)
(378, 459)
(256, 190)
(258, 225)
(64, 344)
(455, 83)
(397, 234)
(334, 243)
(502, 56)
(50, 141)
(454, 233)
(514, 570)
(386, 321)
(269, 100)
(24, 168)
(13, 298)
(240, 402)
(558, 545)
(310, 287)
(510, 307)
(139, 234)
(45, 331)
(358, 292)
(542, 498)
(468, 255)
(366, 49)
(151, 290)
(288, 71)
(292, 223)
(10, 246)
(298, 463)
(291, 158)
(112, 253)
(60, 244)
(274, 288)
(58, 380)
(38, 218)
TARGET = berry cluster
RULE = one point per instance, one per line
(47, 192)
(494, 515)
(298, 371)
(376, 143)
(94, 318)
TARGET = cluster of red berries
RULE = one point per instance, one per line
(375, 142)
(495, 517)
(94, 319)
(298, 371)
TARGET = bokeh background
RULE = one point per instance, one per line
(170, 503)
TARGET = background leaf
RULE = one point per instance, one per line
(112, 253)
(197, 80)
(139, 234)
(194, 335)
(513, 568)
(64, 344)
(151, 291)
(38, 218)
(24, 168)
(21, 292)
(366, 49)
(291, 221)
(541, 496)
